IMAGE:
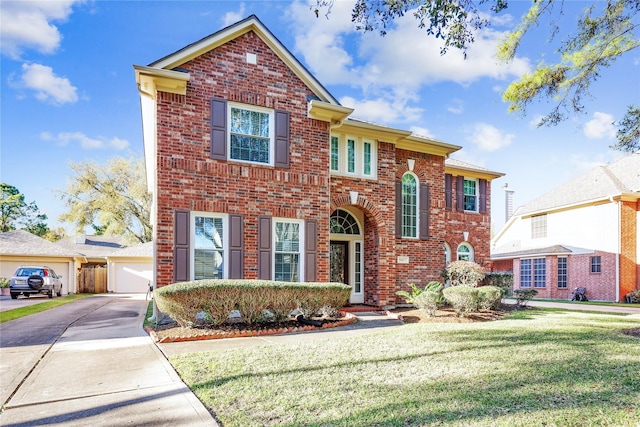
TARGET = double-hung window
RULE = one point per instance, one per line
(251, 134)
(288, 244)
(539, 226)
(470, 195)
(562, 272)
(596, 264)
(353, 156)
(209, 246)
(539, 272)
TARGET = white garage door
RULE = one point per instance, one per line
(132, 277)
(61, 269)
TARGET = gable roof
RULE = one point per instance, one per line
(91, 246)
(538, 252)
(251, 23)
(464, 168)
(20, 242)
(618, 179)
(142, 250)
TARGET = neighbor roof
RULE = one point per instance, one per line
(20, 242)
(460, 166)
(140, 250)
(92, 246)
(547, 250)
(621, 177)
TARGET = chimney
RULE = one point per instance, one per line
(508, 202)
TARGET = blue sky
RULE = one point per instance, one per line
(68, 89)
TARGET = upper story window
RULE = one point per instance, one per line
(409, 205)
(470, 195)
(353, 156)
(250, 134)
(539, 226)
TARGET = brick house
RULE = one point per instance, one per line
(258, 172)
(584, 233)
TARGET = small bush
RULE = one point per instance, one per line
(500, 279)
(523, 296)
(410, 297)
(489, 297)
(464, 299)
(428, 302)
(464, 273)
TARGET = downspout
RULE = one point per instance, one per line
(619, 249)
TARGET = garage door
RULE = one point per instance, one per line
(61, 269)
(132, 277)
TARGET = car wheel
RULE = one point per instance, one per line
(35, 282)
(59, 293)
(14, 296)
(50, 294)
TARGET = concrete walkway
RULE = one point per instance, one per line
(568, 305)
(90, 363)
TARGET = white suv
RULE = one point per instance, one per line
(35, 279)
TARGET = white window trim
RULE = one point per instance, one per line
(477, 195)
(472, 252)
(192, 236)
(300, 247)
(353, 271)
(417, 236)
(343, 158)
(248, 107)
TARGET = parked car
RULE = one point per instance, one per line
(35, 279)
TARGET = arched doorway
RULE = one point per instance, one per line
(347, 251)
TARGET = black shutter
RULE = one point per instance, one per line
(181, 233)
(311, 251)
(281, 148)
(448, 191)
(264, 248)
(483, 196)
(236, 248)
(460, 193)
(218, 128)
(425, 207)
(399, 209)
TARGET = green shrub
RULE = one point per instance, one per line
(428, 302)
(410, 297)
(464, 273)
(500, 279)
(256, 300)
(464, 299)
(489, 297)
(523, 296)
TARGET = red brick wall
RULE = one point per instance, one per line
(189, 179)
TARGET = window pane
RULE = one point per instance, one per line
(357, 286)
(208, 233)
(595, 264)
(539, 273)
(469, 195)
(409, 206)
(525, 273)
(287, 267)
(287, 237)
(562, 272)
(334, 153)
(207, 264)
(249, 122)
(351, 155)
(367, 158)
(539, 226)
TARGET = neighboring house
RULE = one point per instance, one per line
(257, 172)
(123, 269)
(582, 234)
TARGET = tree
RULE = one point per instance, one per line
(113, 195)
(603, 35)
(15, 212)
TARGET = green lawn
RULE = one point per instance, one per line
(535, 368)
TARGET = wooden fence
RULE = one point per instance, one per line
(92, 281)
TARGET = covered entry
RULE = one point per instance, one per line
(347, 251)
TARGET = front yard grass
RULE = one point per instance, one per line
(534, 368)
(17, 313)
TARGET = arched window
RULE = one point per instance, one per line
(465, 252)
(409, 205)
(342, 222)
(447, 254)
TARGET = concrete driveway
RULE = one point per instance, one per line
(90, 363)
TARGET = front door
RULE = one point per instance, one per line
(341, 273)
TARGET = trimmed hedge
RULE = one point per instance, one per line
(256, 300)
(464, 299)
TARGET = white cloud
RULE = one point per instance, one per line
(456, 106)
(489, 138)
(601, 126)
(28, 25)
(420, 131)
(233, 17)
(85, 142)
(382, 111)
(47, 86)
